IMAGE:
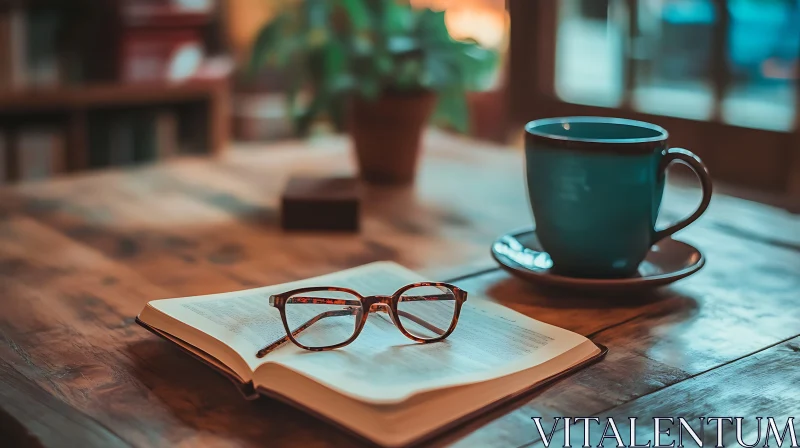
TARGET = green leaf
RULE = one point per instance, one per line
(441, 71)
(335, 48)
(287, 52)
(384, 65)
(432, 28)
(317, 14)
(409, 75)
(358, 14)
(452, 110)
(369, 88)
(479, 66)
(265, 44)
(361, 45)
(397, 18)
(335, 61)
(291, 96)
(402, 44)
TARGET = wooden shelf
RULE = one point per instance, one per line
(170, 19)
(103, 110)
(78, 102)
(87, 97)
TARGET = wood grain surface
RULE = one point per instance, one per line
(79, 258)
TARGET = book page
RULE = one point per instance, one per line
(383, 366)
(244, 320)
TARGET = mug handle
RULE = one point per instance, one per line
(688, 158)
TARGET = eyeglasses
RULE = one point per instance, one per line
(325, 318)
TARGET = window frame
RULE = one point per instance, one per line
(755, 158)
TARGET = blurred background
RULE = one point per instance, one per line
(89, 84)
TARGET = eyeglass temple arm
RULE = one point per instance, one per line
(431, 297)
(328, 301)
(418, 320)
(346, 312)
(300, 300)
(325, 301)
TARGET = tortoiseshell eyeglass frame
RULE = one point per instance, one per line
(366, 306)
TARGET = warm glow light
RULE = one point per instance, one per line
(486, 25)
(485, 21)
(245, 19)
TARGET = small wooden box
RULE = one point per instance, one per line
(321, 203)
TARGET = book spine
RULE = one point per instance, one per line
(6, 70)
(58, 152)
(40, 153)
(121, 144)
(192, 118)
(18, 33)
(96, 34)
(166, 128)
(43, 65)
(98, 141)
(145, 139)
(71, 70)
(4, 149)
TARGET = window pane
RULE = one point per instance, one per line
(671, 54)
(669, 47)
(764, 44)
(589, 52)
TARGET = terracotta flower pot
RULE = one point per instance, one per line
(387, 133)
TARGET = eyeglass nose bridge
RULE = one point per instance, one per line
(381, 301)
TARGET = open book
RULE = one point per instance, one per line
(383, 386)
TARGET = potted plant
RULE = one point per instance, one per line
(381, 68)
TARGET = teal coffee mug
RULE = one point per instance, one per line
(595, 185)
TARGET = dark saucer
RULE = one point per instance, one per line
(521, 254)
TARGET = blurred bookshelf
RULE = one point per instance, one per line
(90, 84)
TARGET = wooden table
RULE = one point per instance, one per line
(80, 257)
